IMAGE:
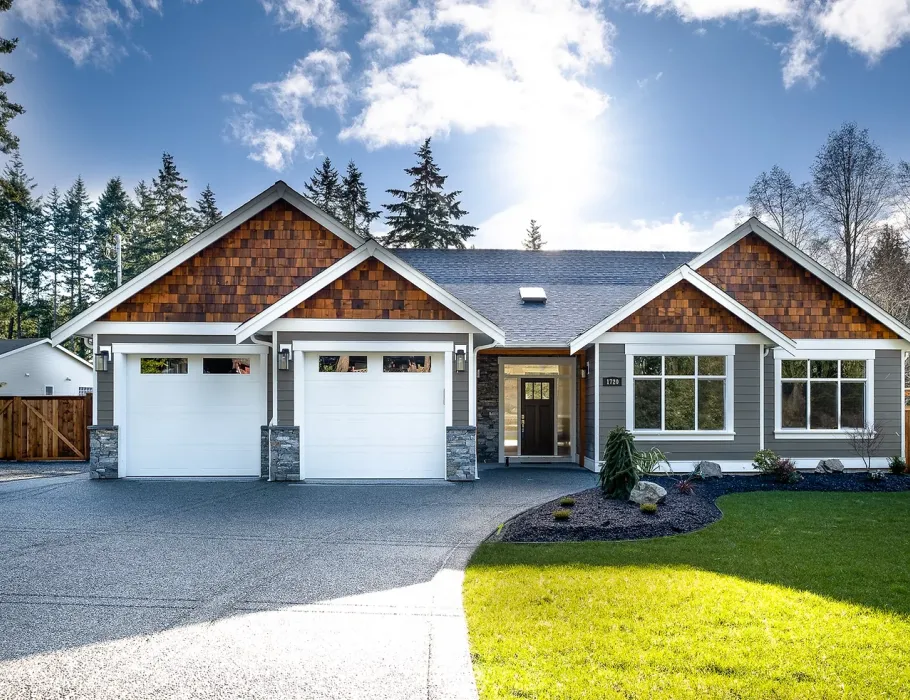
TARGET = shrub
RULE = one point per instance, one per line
(562, 514)
(765, 461)
(648, 462)
(897, 465)
(648, 508)
(618, 473)
(686, 486)
(875, 476)
(567, 502)
(785, 471)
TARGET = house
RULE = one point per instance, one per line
(280, 344)
(36, 367)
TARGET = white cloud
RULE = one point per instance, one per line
(515, 63)
(564, 231)
(801, 61)
(871, 27)
(720, 9)
(40, 14)
(397, 27)
(314, 81)
(323, 15)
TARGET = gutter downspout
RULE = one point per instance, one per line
(271, 346)
(476, 377)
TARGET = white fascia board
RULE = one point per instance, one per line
(356, 325)
(737, 309)
(367, 250)
(665, 339)
(671, 349)
(755, 226)
(280, 190)
(825, 354)
(684, 273)
(26, 347)
(72, 355)
(656, 290)
(153, 328)
(373, 346)
(181, 349)
(852, 344)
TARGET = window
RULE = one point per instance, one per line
(342, 363)
(679, 393)
(163, 365)
(225, 365)
(83, 390)
(48, 390)
(406, 363)
(822, 394)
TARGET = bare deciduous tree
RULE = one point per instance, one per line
(865, 441)
(853, 183)
(903, 191)
(785, 207)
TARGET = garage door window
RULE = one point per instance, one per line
(342, 363)
(225, 365)
(406, 363)
(163, 365)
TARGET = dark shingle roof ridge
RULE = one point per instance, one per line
(535, 252)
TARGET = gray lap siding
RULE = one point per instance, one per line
(590, 397)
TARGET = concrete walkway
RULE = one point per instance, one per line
(139, 589)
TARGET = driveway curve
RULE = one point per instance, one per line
(195, 589)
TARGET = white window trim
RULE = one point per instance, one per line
(781, 433)
(573, 406)
(727, 351)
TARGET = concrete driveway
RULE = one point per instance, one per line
(139, 589)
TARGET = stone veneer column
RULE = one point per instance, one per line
(284, 447)
(104, 449)
(488, 408)
(461, 453)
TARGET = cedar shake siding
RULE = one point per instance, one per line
(238, 276)
(372, 291)
(682, 309)
(790, 298)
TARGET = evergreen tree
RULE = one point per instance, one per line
(206, 211)
(143, 250)
(8, 109)
(55, 222)
(354, 211)
(426, 217)
(887, 277)
(78, 232)
(174, 218)
(19, 223)
(113, 217)
(324, 189)
(534, 240)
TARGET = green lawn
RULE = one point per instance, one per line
(790, 595)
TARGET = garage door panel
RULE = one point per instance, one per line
(374, 424)
(193, 424)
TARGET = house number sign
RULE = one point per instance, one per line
(612, 381)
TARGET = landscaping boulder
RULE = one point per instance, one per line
(830, 466)
(647, 492)
(709, 470)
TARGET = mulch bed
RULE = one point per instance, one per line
(597, 518)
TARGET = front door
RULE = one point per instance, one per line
(537, 402)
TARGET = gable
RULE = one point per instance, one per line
(239, 275)
(372, 290)
(682, 309)
(787, 296)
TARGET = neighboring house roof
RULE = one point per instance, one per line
(10, 347)
(582, 286)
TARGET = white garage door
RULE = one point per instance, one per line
(374, 416)
(196, 415)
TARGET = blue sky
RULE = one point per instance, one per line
(618, 124)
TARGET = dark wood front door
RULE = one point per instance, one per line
(537, 404)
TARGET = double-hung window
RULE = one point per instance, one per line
(678, 395)
(823, 394)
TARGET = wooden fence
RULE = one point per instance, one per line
(36, 428)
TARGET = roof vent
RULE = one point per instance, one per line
(533, 294)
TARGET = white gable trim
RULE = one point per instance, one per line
(370, 249)
(41, 341)
(755, 226)
(681, 274)
(280, 190)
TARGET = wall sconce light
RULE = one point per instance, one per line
(101, 361)
(284, 359)
(460, 359)
(584, 372)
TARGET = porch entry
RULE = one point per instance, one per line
(537, 408)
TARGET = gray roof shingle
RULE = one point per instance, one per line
(16, 343)
(583, 286)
